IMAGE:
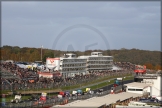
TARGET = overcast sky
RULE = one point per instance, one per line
(82, 25)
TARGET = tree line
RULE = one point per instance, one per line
(152, 59)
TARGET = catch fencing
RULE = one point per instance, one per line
(54, 101)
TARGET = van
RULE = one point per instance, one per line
(9, 61)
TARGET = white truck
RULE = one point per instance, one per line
(89, 91)
(17, 99)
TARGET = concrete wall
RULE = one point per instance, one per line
(139, 92)
(147, 89)
(156, 86)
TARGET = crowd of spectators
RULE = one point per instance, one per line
(125, 65)
(24, 79)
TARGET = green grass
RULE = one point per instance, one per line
(8, 98)
(105, 84)
(99, 85)
(93, 82)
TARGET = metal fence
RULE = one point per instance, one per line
(54, 85)
(57, 101)
(54, 101)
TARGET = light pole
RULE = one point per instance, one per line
(41, 52)
(107, 85)
(122, 83)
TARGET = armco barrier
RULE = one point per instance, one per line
(51, 102)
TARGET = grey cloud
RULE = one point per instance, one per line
(118, 21)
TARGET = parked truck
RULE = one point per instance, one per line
(17, 99)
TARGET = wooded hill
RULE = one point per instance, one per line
(152, 59)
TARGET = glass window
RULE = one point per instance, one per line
(139, 89)
(130, 89)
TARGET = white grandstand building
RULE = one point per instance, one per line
(69, 65)
(97, 62)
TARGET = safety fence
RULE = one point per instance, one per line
(54, 85)
(54, 101)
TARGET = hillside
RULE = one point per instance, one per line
(152, 59)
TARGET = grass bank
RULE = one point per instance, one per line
(96, 81)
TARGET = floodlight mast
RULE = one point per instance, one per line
(41, 52)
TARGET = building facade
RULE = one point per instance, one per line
(155, 82)
(97, 62)
(70, 65)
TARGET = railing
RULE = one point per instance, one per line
(56, 101)
(52, 102)
(55, 85)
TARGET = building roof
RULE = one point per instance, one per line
(73, 58)
(137, 84)
(99, 101)
(92, 56)
(96, 52)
